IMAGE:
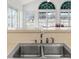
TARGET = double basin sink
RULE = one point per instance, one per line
(43, 51)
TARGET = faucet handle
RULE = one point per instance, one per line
(47, 41)
(52, 39)
(35, 41)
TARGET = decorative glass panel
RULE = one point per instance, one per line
(46, 5)
(66, 5)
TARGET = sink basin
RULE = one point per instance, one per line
(40, 51)
(28, 51)
(56, 50)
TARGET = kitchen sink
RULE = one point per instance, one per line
(55, 50)
(40, 51)
(28, 51)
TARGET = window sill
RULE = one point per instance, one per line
(39, 31)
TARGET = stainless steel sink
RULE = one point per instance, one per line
(28, 51)
(37, 51)
(56, 50)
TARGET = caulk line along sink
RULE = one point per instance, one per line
(40, 51)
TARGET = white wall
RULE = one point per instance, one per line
(14, 4)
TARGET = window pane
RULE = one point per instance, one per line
(65, 19)
(12, 18)
(29, 21)
(42, 15)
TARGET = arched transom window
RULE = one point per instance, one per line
(46, 5)
(66, 5)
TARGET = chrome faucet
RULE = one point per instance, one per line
(47, 40)
(41, 36)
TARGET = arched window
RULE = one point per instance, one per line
(65, 14)
(46, 5)
(66, 5)
(46, 19)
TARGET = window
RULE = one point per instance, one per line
(42, 21)
(51, 19)
(65, 14)
(65, 19)
(47, 17)
(12, 18)
(66, 5)
(46, 20)
(46, 5)
(29, 21)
